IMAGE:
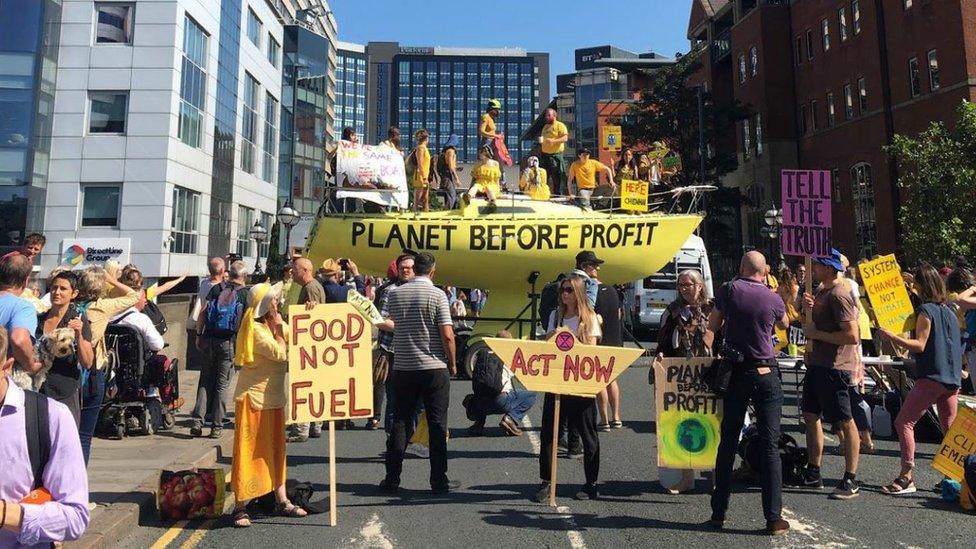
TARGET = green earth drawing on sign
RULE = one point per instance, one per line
(692, 436)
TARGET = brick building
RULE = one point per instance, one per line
(830, 82)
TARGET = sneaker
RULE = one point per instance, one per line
(562, 446)
(196, 431)
(847, 489)
(477, 429)
(542, 494)
(387, 486)
(575, 453)
(589, 491)
(295, 439)
(812, 478)
(315, 430)
(715, 523)
(216, 432)
(777, 527)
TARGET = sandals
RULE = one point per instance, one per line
(288, 509)
(900, 486)
(616, 425)
(242, 519)
(603, 427)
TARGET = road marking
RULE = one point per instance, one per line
(372, 536)
(812, 534)
(197, 535)
(575, 537)
(168, 537)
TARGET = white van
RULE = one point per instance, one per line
(645, 300)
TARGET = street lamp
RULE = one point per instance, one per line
(259, 234)
(288, 217)
(774, 220)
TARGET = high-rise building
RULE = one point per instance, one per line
(829, 86)
(351, 88)
(446, 90)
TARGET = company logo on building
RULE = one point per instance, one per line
(90, 251)
(74, 255)
(407, 50)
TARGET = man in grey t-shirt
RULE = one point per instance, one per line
(423, 363)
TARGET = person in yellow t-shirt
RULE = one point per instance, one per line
(421, 196)
(485, 175)
(533, 181)
(584, 177)
(487, 131)
(553, 143)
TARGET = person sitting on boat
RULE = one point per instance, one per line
(485, 175)
(533, 181)
(584, 177)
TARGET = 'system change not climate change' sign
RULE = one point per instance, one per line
(689, 416)
(886, 290)
(807, 226)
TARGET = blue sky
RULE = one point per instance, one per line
(557, 27)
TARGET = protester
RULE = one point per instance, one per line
(586, 261)
(424, 361)
(575, 314)
(860, 409)
(259, 465)
(831, 360)
(485, 176)
(420, 157)
(489, 136)
(447, 169)
(584, 177)
(684, 334)
(748, 311)
(400, 274)
(478, 299)
(554, 137)
(216, 331)
(938, 362)
(63, 518)
(333, 272)
(33, 245)
(610, 313)
(801, 274)
(644, 168)
(17, 315)
(310, 295)
(94, 284)
(494, 393)
(626, 167)
(534, 181)
(63, 380)
(392, 139)
(135, 317)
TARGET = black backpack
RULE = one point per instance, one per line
(156, 316)
(486, 379)
(37, 424)
(548, 302)
(793, 457)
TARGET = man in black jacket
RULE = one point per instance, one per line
(495, 394)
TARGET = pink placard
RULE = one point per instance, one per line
(807, 225)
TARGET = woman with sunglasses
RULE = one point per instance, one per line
(575, 314)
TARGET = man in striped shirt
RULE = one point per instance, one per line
(424, 361)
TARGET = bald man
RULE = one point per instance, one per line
(748, 311)
(552, 142)
(311, 295)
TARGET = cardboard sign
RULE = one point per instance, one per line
(611, 138)
(958, 443)
(364, 306)
(633, 195)
(689, 416)
(807, 223)
(887, 294)
(562, 365)
(330, 367)
(372, 173)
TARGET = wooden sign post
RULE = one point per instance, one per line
(807, 223)
(330, 372)
(562, 366)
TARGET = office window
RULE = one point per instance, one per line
(193, 83)
(842, 23)
(848, 102)
(264, 248)
(831, 112)
(862, 191)
(107, 113)
(825, 34)
(809, 44)
(814, 117)
(934, 83)
(746, 139)
(803, 119)
(100, 205)
(754, 60)
(254, 27)
(742, 68)
(862, 96)
(274, 50)
(798, 51)
(249, 118)
(114, 23)
(185, 225)
(759, 134)
(245, 220)
(914, 81)
(270, 138)
(856, 16)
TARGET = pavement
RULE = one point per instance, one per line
(498, 475)
(123, 474)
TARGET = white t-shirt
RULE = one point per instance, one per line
(572, 324)
(138, 320)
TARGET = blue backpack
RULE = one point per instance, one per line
(224, 313)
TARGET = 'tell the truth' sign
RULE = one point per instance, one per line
(806, 213)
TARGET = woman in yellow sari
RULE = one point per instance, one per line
(259, 438)
(485, 175)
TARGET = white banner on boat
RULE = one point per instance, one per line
(372, 173)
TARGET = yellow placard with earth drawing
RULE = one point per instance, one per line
(611, 138)
(633, 195)
(689, 415)
(887, 293)
(562, 365)
(958, 443)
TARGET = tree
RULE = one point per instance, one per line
(936, 173)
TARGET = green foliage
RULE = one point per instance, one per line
(937, 171)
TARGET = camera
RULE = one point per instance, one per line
(732, 355)
(344, 263)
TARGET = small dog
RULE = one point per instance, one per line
(58, 344)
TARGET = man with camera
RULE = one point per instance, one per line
(748, 312)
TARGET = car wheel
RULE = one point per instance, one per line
(471, 357)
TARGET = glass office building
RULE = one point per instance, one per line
(351, 88)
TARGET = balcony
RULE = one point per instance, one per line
(721, 46)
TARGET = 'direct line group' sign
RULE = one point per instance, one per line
(689, 415)
(807, 223)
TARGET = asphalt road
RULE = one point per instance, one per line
(498, 475)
